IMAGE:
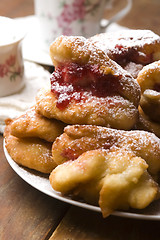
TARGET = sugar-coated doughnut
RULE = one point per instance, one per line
(112, 168)
(33, 153)
(77, 139)
(87, 87)
(132, 49)
(32, 124)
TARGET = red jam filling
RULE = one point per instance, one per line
(77, 82)
(124, 55)
(74, 153)
(70, 154)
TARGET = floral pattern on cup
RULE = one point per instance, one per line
(9, 69)
(73, 18)
(70, 16)
(76, 11)
(70, 13)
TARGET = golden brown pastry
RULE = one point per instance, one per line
(32, 124)
(107, 167)
(145, 123)
(149, 81)
(78, 139)
(33, 153)
(132, 49)
(87, 87)
(149, 109)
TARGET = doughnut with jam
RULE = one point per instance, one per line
(112, 168)
(32, 124)
(87, 87)
(132, 49)
(33, 153)
(78, 139)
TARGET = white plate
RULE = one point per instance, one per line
(41, 182)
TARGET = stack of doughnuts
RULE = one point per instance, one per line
(138, 52)
(113, 168)
(87, 87)
(99, 89)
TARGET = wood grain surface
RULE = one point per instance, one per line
(81, 224)
(24, 211)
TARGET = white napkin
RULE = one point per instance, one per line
(14, 105)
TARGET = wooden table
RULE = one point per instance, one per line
(27, 214)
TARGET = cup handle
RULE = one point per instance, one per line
(105, 23)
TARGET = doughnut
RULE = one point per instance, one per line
(150, 103)
(87, 87)
(145, 123)
(132, 49)
(114, 169)
(78, 139)
(149, 81)
(33, 153)
(32, 124)
(99, 178)
(116, 113)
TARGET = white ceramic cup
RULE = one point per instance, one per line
(11, 60)
(73, 17)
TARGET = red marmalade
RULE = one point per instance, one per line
(77, 82)
(123, 56)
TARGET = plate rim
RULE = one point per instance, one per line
(68, 200)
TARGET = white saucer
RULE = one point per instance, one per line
(33, 48)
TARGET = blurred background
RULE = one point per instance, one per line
(144, 13)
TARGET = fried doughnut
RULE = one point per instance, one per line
(32, 124)
(116, 113)
(78, 139)
(114, 177)
(149, 81)
(87, 87)
(33, 153)
(145, 123)
(132, 49)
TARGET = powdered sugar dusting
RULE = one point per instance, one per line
(143, 144)
(82, 51)
(140, 47)
(127, 39)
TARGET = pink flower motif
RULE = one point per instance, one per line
(9, 68)
(61, 22)
(3, 70)
(66, 16)
(75, 12)
(70, 13)
(79, 9)
(11, 60)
